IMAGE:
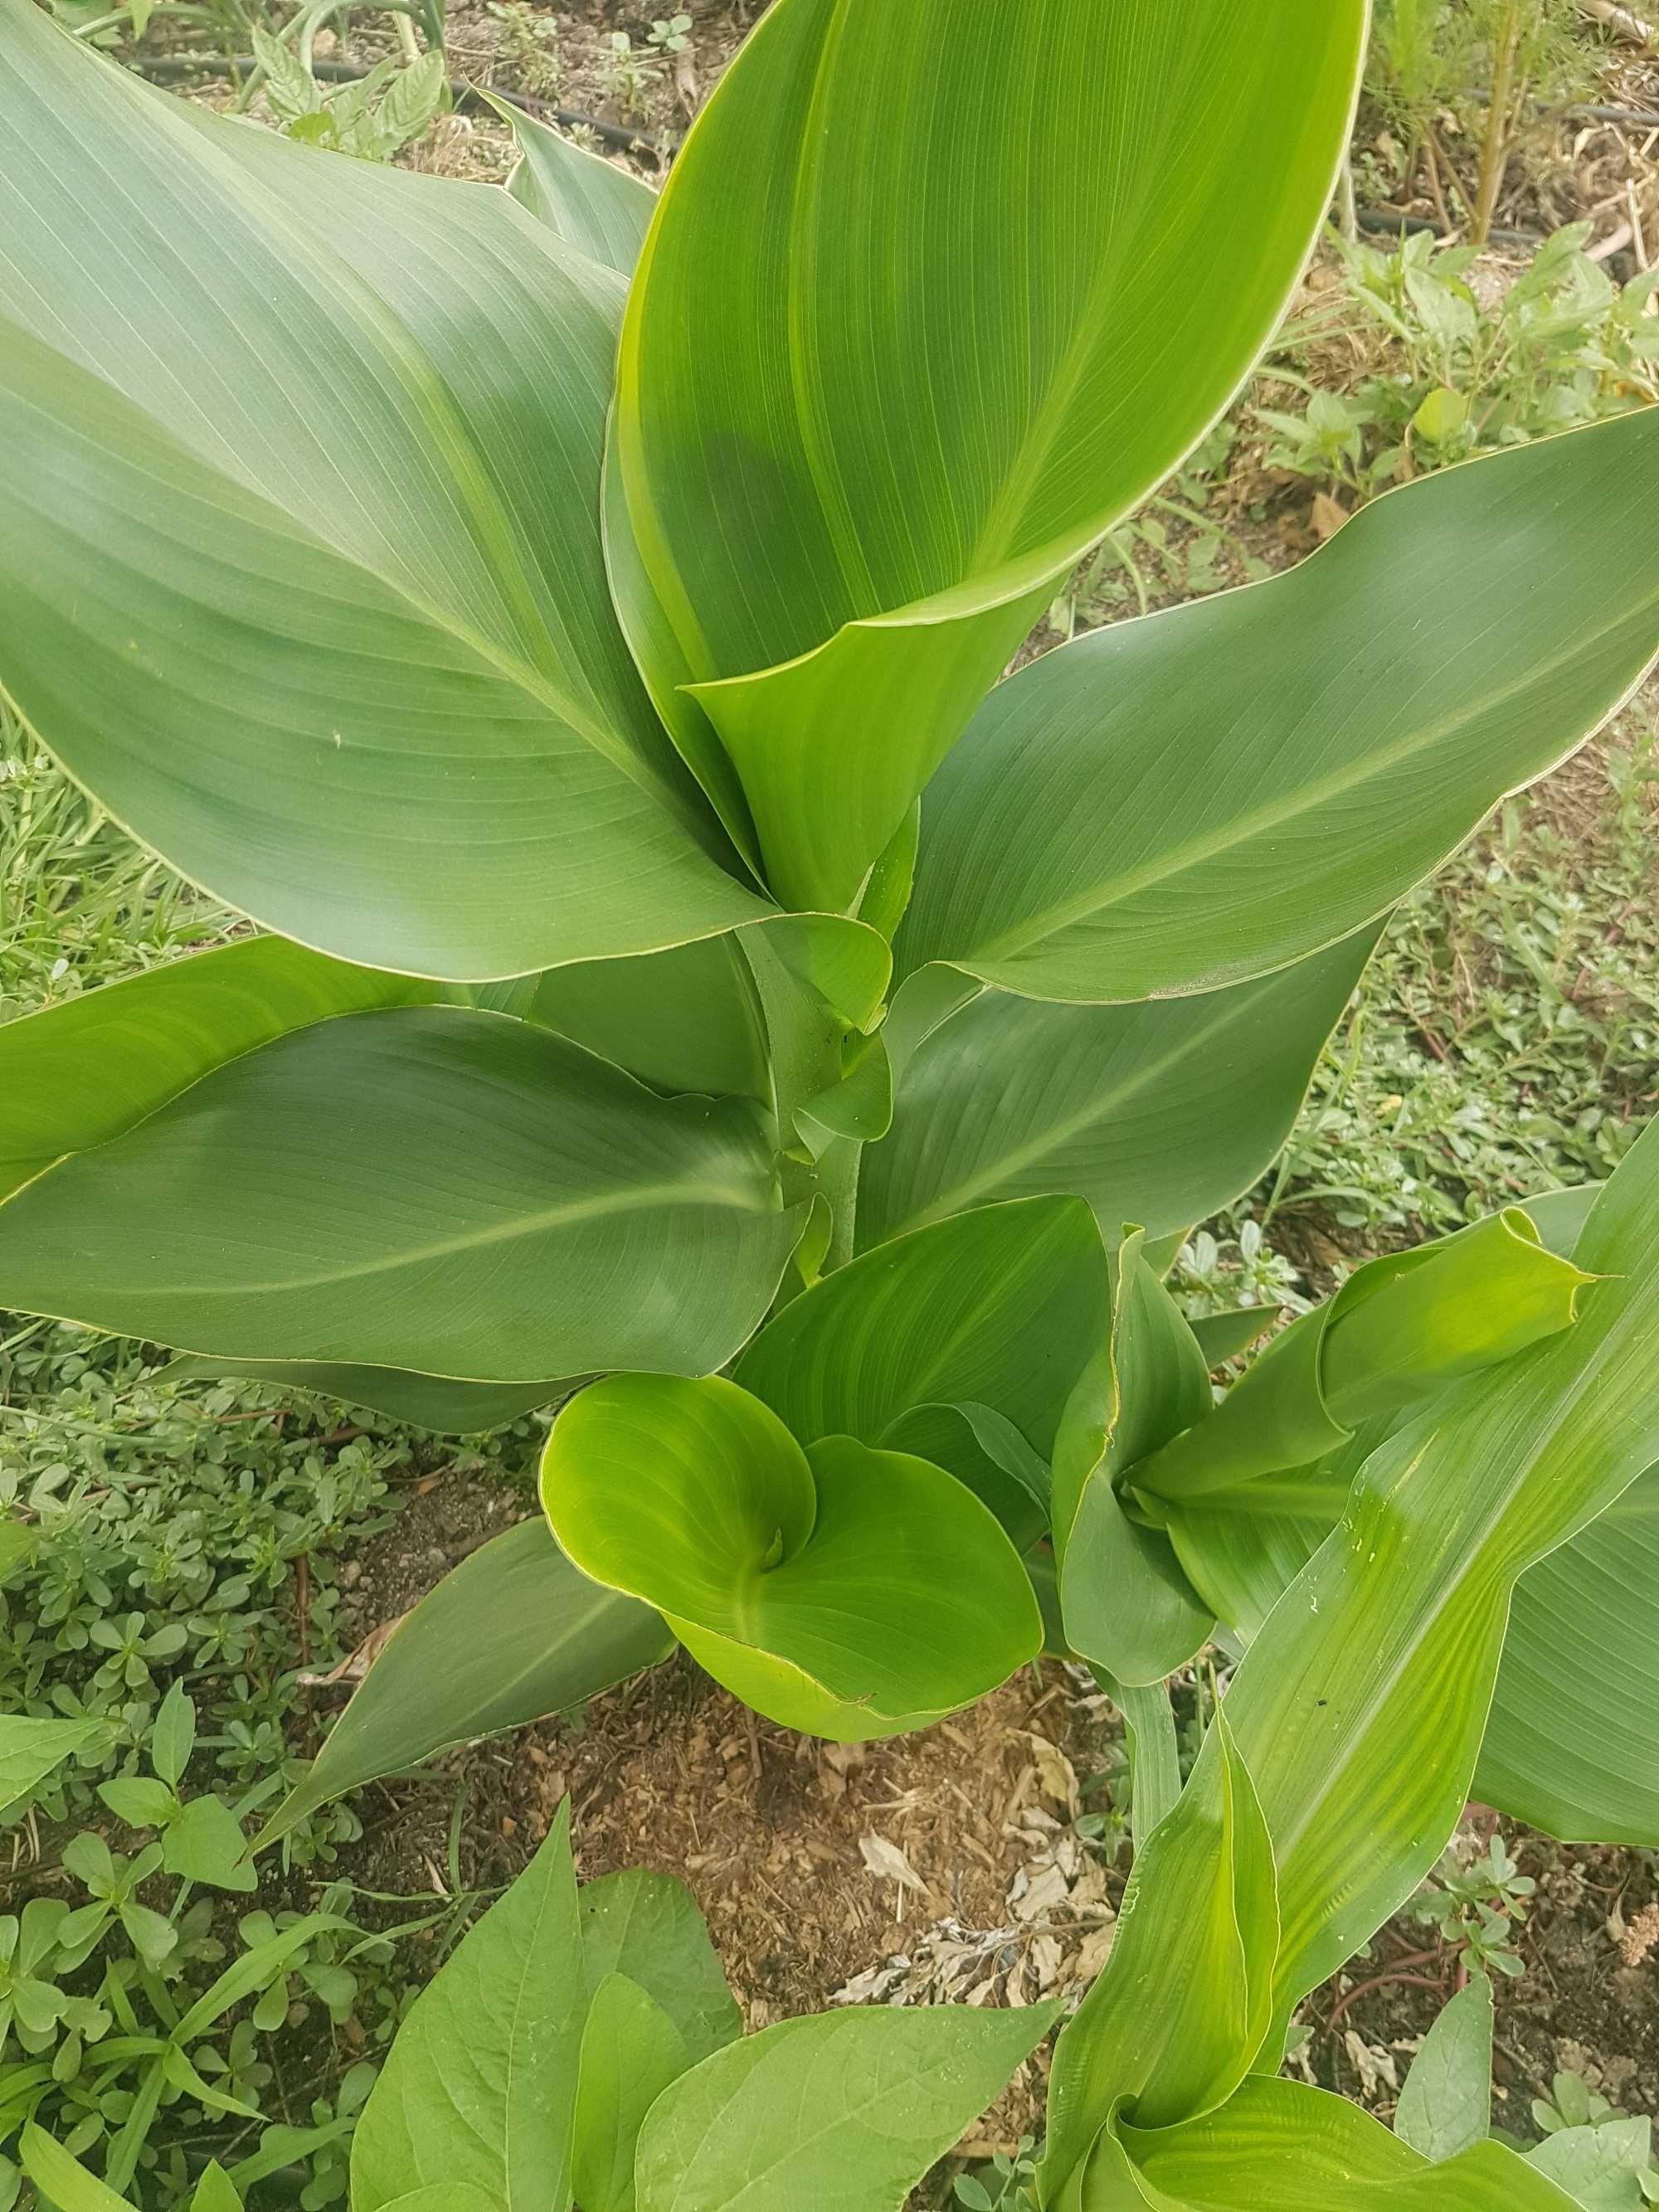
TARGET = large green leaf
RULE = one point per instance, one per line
(78, 1073)
(918, 317)
(1246, 779)
(845, 2111)
(998, 1308)
(846, 1591)
(511, 1635)
(425, 1401)
(301, 567)
(1281, 2147)
(647, 1927)
(428, 1187)
(1158, 1114)
(479, 2086)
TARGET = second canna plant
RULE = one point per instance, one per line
(685, 977)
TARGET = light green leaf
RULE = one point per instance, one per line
(1412, 1592)
(1159, 1114)
(857, 439)
(371, 688)
(424, 1401)
(512, 1634)
(1227, 1336)
(1127, 1606)
(845, 2111)
(1445, 2105)
(596, 207)
(427, 1187)
(446, 2196)
(1599, 2168)
(1149, 1732)
(79, 1073)
(631, 2051)
(1281, 2147)
(1287, 792)
(31, 1749)
(206, 1843)
(998, 1308)
(479, 2086)
(848, 1592)
(1398, 1332)
(254, 1970)
(65, 2181)
(1185, 1999)
(647, 1927)
(214, 2192)
(173, 1737)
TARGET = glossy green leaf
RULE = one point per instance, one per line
(864, 417)
(1295, 755)
(428, 1187)
(595, 207)
(1445, 2103)
(845, 1591)
(647, 1927)
(479, 2086)
(631, 2051)
(348, 655)
(1282, 2147)
(508, 1637)
(446, 2196)
(511, 1635)
(424, 1401)
(1159, 1114)
(999, 1308)
(845, 2111)
(1185, 1998)
(76, 1075)
(30, 1750)
(1127, 1606)
(1398, 1331)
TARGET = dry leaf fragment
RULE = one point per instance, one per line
(888, 1862)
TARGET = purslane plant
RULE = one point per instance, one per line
(568, 623)
(584, 2049)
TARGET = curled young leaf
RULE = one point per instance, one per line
(845, 1591)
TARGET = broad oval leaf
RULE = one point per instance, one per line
(631, 2051)
(846, 2110)
(1445, 2103)
(346, 652)
(844, 1591)
(429, 1188)
(647, 1927)
(479, 2087)
(1158, 1114)
(875, 394)
(1250, 777)
(511, 1635)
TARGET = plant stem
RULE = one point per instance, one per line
(1495, 150)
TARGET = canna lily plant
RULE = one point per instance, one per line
(567, 622)
(582, 2048)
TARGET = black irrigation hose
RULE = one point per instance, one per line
(1385, 222)
(462, 94)
(1643, 118)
